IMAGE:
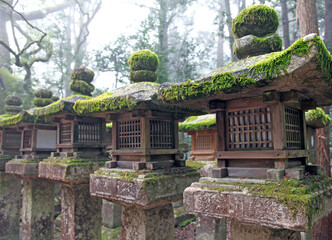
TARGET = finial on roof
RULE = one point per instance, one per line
(254, 29)
(81, 81)
(143, 66)
(13, 104)
(42, 97)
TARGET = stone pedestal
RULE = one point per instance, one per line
(146, 197)
(81, 213)
(260, 209)
(151, 224)
(37, 209)
(208, 228)
(111, 214)
(10, 204)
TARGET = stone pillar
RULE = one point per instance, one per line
(151, 224)
(37, 210)
(111, 214)
(81, 213)
(255, 231)
(208, 228)
(10, 204)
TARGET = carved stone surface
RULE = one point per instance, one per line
(81, 213)
(69, 170)
(152, 224)
(37, 210)
(22, 168)
(237, 204)
(10, 203)
(146, 189)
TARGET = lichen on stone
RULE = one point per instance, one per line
(258, 20)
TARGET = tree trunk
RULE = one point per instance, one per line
(4, 18)
(229, 26)
(285, 23)
(220, 48)
(307, 14)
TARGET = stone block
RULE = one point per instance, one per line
(145, 189)
(314, 169)
(208, 228)
(218, 172)
(111, 164)
(111, 214)
(69, 170)
(275, 174)
(295, 173)
(22, 168)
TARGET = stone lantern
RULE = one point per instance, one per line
(80, 150)
(145, 175)
(260, 103)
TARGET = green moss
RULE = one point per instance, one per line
(20, 117)
(43, 93)
(5, 115)
(13, 100)
(83, 74)
(318, 113)
(57, 107)
(143, 60)
(81, 87)
(42, 102)
(109, 126)
(223, 82)
(258, 20)
(55, 98)
(191, 125)
(195, 164)
(143, 76)
(12, 109)
(69, 161)
(111, 234)
(186, 222)
(104, 105)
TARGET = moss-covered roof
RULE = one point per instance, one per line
(22, 117)
(317, 118)
(62, 105)
(306, 67)
(194, 123)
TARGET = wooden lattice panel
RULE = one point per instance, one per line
(249, 129)
(89, 132)
(13, 139)
(293, 128)
(203, 142)
(65, 133)
(129, 134)
(27, 137)
(161, 134)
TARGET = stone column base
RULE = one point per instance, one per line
(111, 214)
(151, 224)
(209, 228)
(81, 213)
(38, 209)
(10, 204)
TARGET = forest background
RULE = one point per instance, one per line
(42, 41)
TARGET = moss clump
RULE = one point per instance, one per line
(143, 66)
(13, 109)
(143, 76)
(43, 93)
(41, 102)
(143, 60)
(186, 222)
(257, 45)
(318, 113)
(258, 20)
(109, 126)
(55, 98)
(81, 87)
(192, 124)
(20, 117)
(5, 115)
(223, 82)
(13, 100)
(195, 164)
(83, 74)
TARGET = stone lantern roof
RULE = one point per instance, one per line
(195, 123)
(20, 118)
(304, 67)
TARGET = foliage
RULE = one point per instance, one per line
(318, 113)
(186, 222)
(258, 20)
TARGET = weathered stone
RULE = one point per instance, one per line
(275, 174)
(22, 168)
(296, 173)
(69, 170)
(208, 228)
(145, 189)
(81, 213)
(218, 200)
(254, 232)
(37, 210)
(10, 204)
(250, 45)
(218, 172)
(111, 214)
(152, 224)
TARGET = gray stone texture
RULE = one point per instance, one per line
(10, 204)
(81, 213)
(153, 224)
(111, 214)
(208, 228)
(37, 209)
